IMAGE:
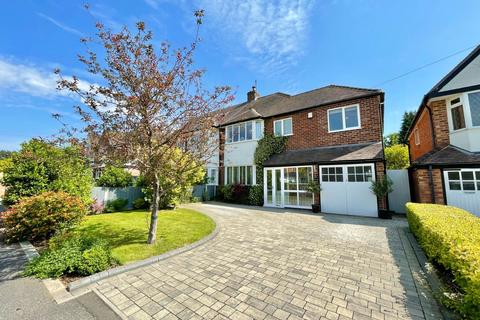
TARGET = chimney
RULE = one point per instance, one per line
(252, 95)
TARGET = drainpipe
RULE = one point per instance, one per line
(432, 188)
(434, 144)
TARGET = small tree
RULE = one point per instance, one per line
(114, 177)
(407, 121)
(382, 187)
(396, 157)
(41, 166)
(149, 109)
(391, 139)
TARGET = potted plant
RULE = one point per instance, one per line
(381, 188)
(314, 188)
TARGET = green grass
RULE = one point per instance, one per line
(127, 232)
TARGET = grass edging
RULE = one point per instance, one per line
(75, 285)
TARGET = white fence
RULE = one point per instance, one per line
(107, 194)
(401, 190)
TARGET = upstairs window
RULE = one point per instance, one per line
(244, 131)
(344, 118)
(416, 135)
(474, 101)
(258, 129)
(283, 127)
(456, 111)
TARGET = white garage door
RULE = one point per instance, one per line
(463, 189)
(346, 189)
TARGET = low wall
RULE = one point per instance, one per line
(107, 194)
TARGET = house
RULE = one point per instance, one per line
(334, 137)
(444, 140)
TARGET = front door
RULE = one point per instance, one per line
(274, 187)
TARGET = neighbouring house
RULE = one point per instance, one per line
(334, 137)
(444, 140)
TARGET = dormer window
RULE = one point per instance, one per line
(456, 111)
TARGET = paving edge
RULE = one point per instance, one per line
(76, 285)
(110, 305)
(56, 288)
(429, 273)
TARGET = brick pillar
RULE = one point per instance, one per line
(316, 178)
(380, 174)
(440, 123)
(422, 187)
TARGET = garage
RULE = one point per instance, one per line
(346, 189)
(462, 188)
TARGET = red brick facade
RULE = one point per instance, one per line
(440, 123)
(422, 187)
(380, 174)
(313, 132)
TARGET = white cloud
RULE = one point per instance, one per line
(61, 25)
(274, 33)
(31, 80)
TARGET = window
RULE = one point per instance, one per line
(464, 180)
(416, 136)
(240, 175)
(359, 173)
(212, 176)
(295, 181)
(283, 127)
(244, 131)
(345, 118)
(332, 174)
(258, 129)
(458, 117)
(474, 101)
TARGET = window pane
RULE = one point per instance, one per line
(351, 178)
(249, 175)
(258, 130)
(335, 121)
(236, 133)
(454, 176)
(305, 199)
(229, 175)
(291, 198)
(359, 170)
(290, 178)
(324, 170)
(242, 175)
(236, 174)
(287, 127)
(249, 130)
(351, 170)
(477, 174)
(303, 178)
(468, 186)
(339, 178)
(229, 134)
(474, 99)
(278, 128)
(478, 186)
(467, 175)
(331, 170)
(360, 178)
(458, 118)
(325, 177)
(351, 117)
(242, 132)
(454, 185)
(331, 177)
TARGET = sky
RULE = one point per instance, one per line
(289, 46)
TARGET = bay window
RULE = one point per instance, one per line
(239, 175)
(244, 131)
(474, 101)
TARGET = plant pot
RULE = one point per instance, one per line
(315, 208)
(385, 214)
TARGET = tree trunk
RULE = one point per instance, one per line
(152, 232)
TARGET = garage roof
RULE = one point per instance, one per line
(448, 156)
(328, 155)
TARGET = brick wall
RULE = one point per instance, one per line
(424, 129)
(313, 132)
(380, 174)
(422, 191)
(440, 123)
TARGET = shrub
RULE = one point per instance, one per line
(451, 238)
(114, 177)
(255, 195)
(42, 216)
(115, 205)
(382, 187)
(96, 207)
(71, 255)
(225, 192)
(396, 157)
(140, 203)
(234, 193)
(40, 167)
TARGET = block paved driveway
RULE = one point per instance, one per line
(274, 264)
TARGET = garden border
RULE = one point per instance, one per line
(76, 285)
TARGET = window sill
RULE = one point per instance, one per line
(284, 135)
(244, 141)
(349, 129)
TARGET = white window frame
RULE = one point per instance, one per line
(476, 181)
(359, 126)
(469, 123)
(283, 127)
(244, 124)
(209, 175)
(253, 178)
(466, 118)
(416, 136)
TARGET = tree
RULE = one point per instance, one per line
(40, 166)
(391, 139)
(5, 154)
(407, 120)
(114, 177)
(147, 108)
(396, 157)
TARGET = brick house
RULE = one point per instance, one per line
(444, 140)
(334, 137)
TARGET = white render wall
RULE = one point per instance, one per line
(470, 76)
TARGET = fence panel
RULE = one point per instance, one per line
(401, 190)
(208, 190)
(107, 194)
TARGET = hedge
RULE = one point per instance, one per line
(450, 237)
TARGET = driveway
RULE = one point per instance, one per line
(275, 264)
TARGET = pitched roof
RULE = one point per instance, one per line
(447, 156)
(280, 103)
(326, 155)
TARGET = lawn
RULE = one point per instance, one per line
(127, 232)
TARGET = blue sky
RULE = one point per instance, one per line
(285, 45)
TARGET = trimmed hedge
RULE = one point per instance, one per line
(451, 237)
